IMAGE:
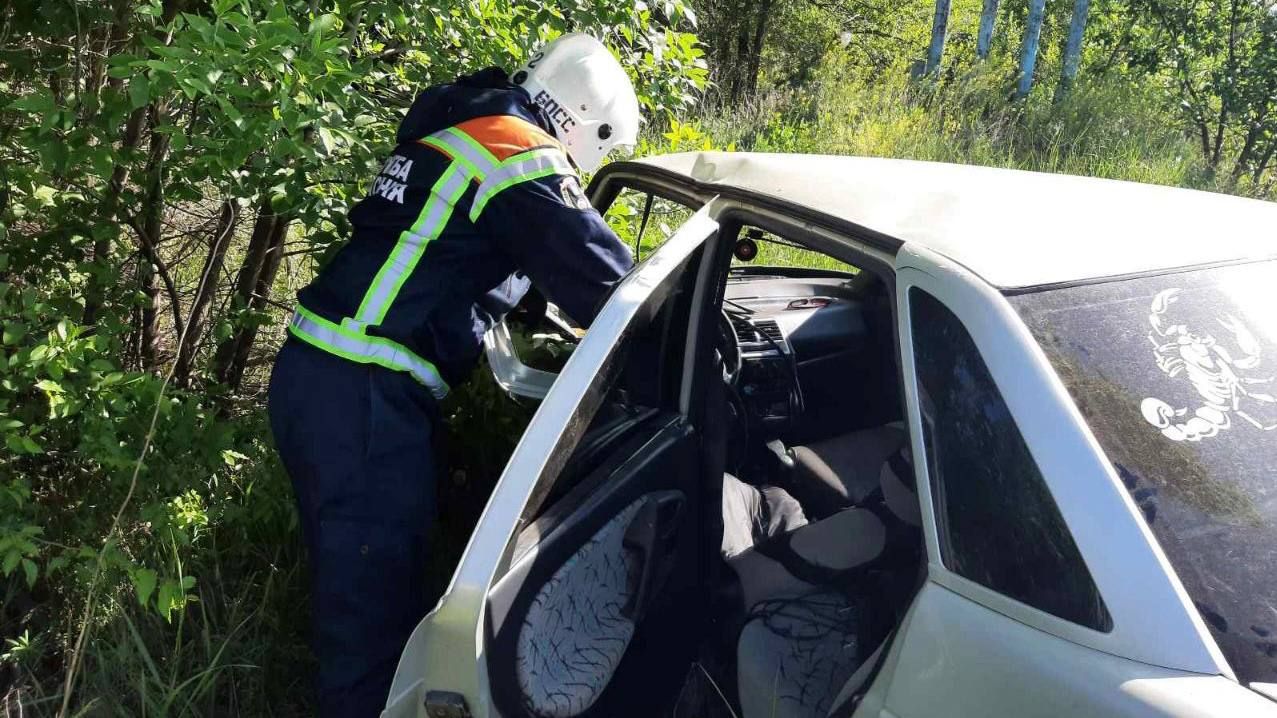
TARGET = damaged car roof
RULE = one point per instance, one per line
(1014, 228)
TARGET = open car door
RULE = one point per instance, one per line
(591, 534)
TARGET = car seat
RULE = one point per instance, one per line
(820, 597)
(843, 471)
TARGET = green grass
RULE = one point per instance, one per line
(1105, 128)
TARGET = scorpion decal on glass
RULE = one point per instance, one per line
(1226, 384)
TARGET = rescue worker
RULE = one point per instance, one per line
(479, 200)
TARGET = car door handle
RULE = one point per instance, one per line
(649, 540)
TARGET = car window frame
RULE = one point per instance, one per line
(1153, 621)
(945, 491)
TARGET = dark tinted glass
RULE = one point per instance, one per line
(998, 524)
(1177, 376)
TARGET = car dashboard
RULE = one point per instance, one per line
(809, 351)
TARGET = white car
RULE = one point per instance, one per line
(1016, 457)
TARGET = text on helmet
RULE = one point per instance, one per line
(558, 115)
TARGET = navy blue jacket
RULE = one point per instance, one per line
(477, 201)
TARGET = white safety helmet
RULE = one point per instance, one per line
(587, 95)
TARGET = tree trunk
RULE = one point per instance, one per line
(133, 345)
(148, 330)
(245, 282)
(988, 17)
(760, 34)
(94, 291)
(205, 291)
(1262, 165)
(1227, 94)
(939, 31)
(737, 90)
(252, 286)
(250, 272)
(1029, 55)
(1203, 134)
(247, 334)
(1073, 48)
(152, 227)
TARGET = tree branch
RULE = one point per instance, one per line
(272, 302)
(153, 256)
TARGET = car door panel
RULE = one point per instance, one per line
(560, 621)
(446, 662)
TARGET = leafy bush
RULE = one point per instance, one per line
(170, 172)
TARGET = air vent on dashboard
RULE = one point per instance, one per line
(770, 329)
(756, 332)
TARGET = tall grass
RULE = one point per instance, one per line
(1107, 127)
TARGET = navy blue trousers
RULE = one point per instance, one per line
(356, 440)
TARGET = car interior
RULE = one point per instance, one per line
(821, 528)
(751, 557)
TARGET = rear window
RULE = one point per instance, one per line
(1177, 376)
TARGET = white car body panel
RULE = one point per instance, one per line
(965, 650)
(1012, 228)
(958, 659)
(1153, 620)
(446, 650)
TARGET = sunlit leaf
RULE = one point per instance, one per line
(322, 24)
(144, 584)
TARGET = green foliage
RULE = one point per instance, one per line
(1209, 65)
(1109, 128)
(1216, 63)
(158, 158)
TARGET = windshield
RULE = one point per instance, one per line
(1175, 374)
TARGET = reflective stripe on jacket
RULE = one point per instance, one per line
(455, 226)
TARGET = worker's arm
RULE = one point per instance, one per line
(558, 239)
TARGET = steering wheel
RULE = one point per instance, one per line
(729, 349)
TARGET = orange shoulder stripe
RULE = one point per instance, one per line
(506, 135)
